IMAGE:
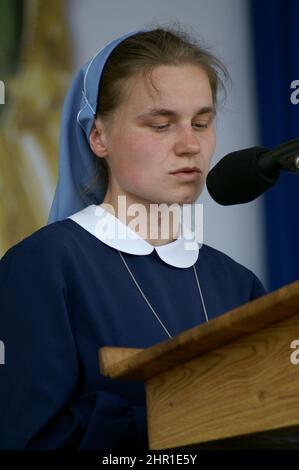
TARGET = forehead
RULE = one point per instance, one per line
(179, 87)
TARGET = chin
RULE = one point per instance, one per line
(180, 201)
(172, 197)
(186, 198)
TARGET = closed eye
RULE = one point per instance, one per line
(160, 127)
(201, 126)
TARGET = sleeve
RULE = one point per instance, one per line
(41, 406)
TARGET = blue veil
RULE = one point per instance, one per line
(76, 159)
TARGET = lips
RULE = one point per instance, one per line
(187, 175)
(194, 169)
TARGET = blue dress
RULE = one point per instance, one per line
(64, 294)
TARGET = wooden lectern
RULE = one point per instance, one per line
(229, 383)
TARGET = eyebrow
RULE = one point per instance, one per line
(169, 112)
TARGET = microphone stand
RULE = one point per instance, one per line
(284, 157)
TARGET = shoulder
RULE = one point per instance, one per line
(222, 260)
(58, 249)
(47, 236)
(219, 266)
(46, 245)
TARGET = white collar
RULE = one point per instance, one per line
(181, 253)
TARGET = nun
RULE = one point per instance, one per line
(137, 127)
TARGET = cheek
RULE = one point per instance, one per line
(138, 151)
(133, 159)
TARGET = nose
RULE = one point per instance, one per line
(187, 141)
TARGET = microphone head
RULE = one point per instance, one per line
(237, 177)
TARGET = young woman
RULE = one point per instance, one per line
(138, 121)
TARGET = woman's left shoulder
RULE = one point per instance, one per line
(222, 260)
(230, 271)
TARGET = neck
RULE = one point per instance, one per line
(158, 224)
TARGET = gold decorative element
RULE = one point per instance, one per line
(30, 131)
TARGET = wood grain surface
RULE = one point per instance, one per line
(245, 387)
(244, 320)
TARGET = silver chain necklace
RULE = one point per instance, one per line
(150, 306)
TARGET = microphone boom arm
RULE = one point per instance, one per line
(284, 157)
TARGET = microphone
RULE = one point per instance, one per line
(242, 176)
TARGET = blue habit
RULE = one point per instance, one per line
(64, 293)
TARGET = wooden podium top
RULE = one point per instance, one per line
(143, 364)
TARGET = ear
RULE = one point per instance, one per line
(98, 139)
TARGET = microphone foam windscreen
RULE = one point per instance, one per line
(237, 178)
